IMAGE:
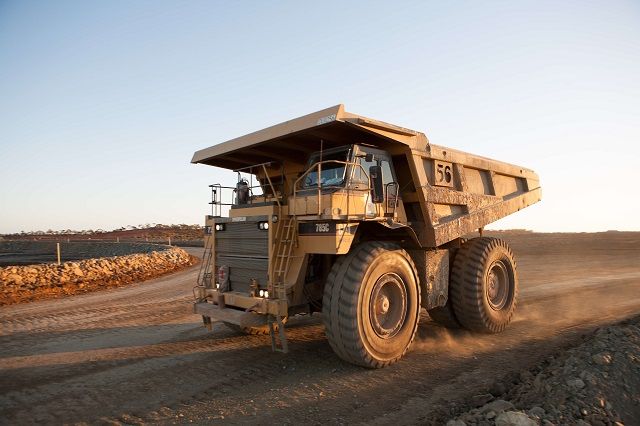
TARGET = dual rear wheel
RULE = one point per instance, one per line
(483, 287)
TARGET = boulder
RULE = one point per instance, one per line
(498, 406)
(514, 418)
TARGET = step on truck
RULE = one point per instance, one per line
(363, 221)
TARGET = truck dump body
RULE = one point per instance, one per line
(445, 193)
(362, 220)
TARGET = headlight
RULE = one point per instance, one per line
(219, 226)
(274, 218)
(263, 225)
(266, 294)
(261, 293)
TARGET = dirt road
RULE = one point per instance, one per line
(137, 354)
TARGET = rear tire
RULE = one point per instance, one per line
(484, 285)
(371, 304)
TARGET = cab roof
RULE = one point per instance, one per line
(294, 140)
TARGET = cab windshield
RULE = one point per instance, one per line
(333, 170)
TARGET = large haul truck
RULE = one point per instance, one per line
(364, 222)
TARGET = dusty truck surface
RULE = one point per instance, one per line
(363, 221)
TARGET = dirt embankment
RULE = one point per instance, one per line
(595, 383)
(32, 282)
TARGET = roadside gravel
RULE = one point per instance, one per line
(594, 383)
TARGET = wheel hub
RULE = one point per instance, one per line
(388, 305)
(497, 288)
(493, 285)
(382, 305)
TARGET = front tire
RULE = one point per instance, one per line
(371, 304)
(484, 285)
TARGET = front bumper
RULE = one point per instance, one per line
(239, 309)
(232, 316)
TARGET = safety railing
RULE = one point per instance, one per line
(245, 192)
(344, 185)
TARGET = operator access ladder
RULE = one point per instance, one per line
(205, 274)
(286, 239)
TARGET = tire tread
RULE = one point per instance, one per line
(467, 289)
(341, 298)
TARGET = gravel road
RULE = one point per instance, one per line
(138, 355)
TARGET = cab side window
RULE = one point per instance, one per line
(387, 176)
(360, 174)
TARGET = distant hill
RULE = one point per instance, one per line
(148, 232)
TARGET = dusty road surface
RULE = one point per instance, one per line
(137, 354)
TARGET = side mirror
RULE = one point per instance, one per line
(375, 178)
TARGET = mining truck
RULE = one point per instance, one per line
(363, 221)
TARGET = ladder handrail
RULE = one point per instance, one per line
(204, 273)
(205, 266)
(286, 237)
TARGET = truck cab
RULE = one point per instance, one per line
(354, 182)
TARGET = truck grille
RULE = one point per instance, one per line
(244, 249)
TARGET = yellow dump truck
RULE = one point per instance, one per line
(363, 221)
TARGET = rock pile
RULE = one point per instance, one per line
(595, 383)
(24, 283)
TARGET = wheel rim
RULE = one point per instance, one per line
(497, 285)
(388, 305)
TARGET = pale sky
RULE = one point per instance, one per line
(103, 103)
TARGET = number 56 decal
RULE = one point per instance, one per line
(443, 173)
